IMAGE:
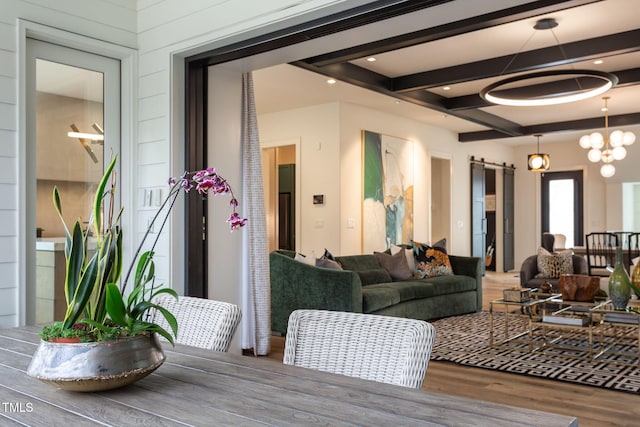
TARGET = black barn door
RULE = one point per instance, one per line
(508, 215)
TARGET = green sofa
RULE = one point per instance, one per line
(363, 286)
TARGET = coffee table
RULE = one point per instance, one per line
(618, 333)
(527, 311)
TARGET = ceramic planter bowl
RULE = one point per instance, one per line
(96, 366)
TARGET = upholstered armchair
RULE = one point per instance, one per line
(529, 269)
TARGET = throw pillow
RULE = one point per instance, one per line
(328, 255)
(328, 263)
(442, 243)
(408, 253)
(552, 265)
(432, 261)
(396, 265)
(311, 259)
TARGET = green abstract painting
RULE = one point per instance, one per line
(387, 206)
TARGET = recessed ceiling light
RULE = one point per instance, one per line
(371, 59)
(331, 81)
(446, 88)
(598, 61)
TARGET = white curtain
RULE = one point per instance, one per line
(256, 292)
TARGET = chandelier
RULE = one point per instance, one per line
(538, 161)
(607, 148)
(576, 84)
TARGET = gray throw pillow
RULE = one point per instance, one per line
(328, 263)
(396, 265)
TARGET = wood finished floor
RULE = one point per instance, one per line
(593, 406)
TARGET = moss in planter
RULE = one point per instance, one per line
(82, 331)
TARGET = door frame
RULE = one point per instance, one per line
(578, 176)
(26, 235)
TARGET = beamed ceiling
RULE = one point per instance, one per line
(468, 54)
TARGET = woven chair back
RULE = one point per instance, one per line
(387, 349)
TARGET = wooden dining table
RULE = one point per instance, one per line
(196, 387)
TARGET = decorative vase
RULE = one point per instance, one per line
(635, 277)
(96, 366)
(619, 283)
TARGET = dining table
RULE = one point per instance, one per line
(199, 387)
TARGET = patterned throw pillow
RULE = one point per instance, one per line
(431, 261)
(552, 265)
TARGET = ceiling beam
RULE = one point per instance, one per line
(451, 29)
(547, 128)
(536, 59)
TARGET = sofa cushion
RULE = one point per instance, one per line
(396, 265)
(373, 276)
(381, 295)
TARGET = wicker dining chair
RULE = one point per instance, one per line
(202, 322)
(387, 349)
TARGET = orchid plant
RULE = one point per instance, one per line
(97, 305)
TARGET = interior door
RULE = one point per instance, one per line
(478, 220)
(508, 214)
(73, 129)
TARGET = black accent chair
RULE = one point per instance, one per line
(601, 253)
(529, 268)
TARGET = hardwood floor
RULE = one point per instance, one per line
(593, 406)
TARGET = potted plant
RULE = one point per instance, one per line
(108, 317)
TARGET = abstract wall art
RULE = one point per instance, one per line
(387, 205)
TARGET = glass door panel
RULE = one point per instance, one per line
(74, 125)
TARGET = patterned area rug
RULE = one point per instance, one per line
(564, 357)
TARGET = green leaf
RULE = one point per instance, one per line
(97, 202)
(152, 327)
(169, 317)
(82, 293)
(115, 305)
(57, 203)
(75, 254)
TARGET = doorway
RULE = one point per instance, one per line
(279, 182)
(490, 216)
(562, 205)
(73, 123)
(440, 198)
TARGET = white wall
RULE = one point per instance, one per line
(338, 171)
(317, 128)
(113, 21)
